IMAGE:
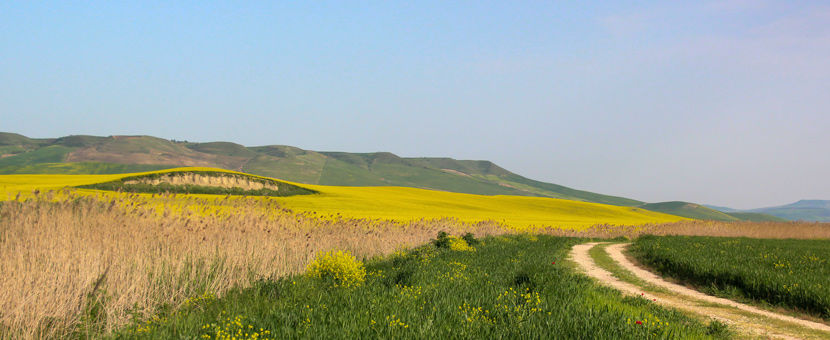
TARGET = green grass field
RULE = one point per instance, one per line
(504, 288)
(49, 154)
(755, 217)
(688, 210)
(793, 274)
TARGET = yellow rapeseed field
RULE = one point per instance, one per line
(515, 212)
(388, 203)
(24, 184)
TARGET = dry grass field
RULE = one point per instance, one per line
(769, 230)
(81, 262)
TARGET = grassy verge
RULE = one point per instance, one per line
(504, 287)
(604, 261)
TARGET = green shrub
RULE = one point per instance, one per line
(446, 241)
(441, 241)
(470, 238)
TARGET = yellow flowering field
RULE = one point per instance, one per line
(386, 203)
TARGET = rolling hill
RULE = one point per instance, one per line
(130, 154)
(803, 210)
(688, 210)
(125, 154)
(756, 217)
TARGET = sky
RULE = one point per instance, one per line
(712, 102)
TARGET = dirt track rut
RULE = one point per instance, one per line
(744, 318)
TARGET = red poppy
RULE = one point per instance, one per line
(639, 322)
(553, 263)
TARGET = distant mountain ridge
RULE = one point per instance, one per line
(803, 210)
(120, 154)
(125, 154)
(821, 204)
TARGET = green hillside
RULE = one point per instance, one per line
(126, 145)
(14, 144)
(83, 168)
(568, 192)
(803, 210)
(689, 210)
(223, 148)
(48, 154)
(722, 209)
(123, 154)
(802, 214)
(81, 140)
(755, 217)
(386, 169)
(7, 138)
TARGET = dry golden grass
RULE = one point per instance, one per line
(774, 230)
(61, 259)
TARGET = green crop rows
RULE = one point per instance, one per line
(794, 274)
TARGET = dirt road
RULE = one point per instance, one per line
(747, 320)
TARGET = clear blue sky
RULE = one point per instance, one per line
(715, 102)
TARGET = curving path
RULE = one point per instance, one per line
(746, 319)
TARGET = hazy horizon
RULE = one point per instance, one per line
(716, 102)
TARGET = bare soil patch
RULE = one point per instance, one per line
(456, 172)
(190, 178)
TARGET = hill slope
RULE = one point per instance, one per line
(803, 210)
(127, 154)
(756, 217)
(689, 210)
(124, 154)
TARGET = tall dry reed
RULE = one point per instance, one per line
(76, 264)
(776, 230)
